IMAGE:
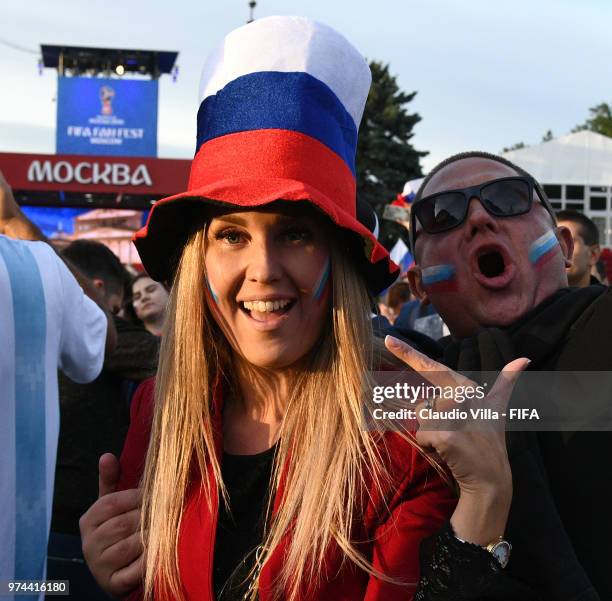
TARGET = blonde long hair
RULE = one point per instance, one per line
(332, 455)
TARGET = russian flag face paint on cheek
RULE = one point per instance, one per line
(543, 249)
(322, 282)
(212, 292)
(439, 278)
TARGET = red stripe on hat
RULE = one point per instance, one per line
(270, 154)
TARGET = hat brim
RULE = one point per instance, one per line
(171, 220)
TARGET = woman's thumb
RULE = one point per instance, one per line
(109, 471)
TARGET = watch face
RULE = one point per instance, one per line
(501, 552)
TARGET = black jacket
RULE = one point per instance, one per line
(560, 522)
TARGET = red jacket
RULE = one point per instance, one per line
(392, 528)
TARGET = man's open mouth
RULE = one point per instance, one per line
(492, 266)
(491, 263)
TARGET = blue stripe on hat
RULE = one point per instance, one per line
(294, 101)
(30, 324)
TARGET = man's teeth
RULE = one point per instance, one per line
(265, 306)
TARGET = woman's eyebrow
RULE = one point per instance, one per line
(235, 219)
(295, 220)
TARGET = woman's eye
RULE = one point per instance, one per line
(298, 235)
(230, 236)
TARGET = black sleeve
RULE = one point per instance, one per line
(452, 570)
(136, 354)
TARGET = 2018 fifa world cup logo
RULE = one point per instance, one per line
(106, 97)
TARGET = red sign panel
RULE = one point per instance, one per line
(90, 174)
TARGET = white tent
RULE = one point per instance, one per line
(583, 159)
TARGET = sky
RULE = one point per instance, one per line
(487, 74)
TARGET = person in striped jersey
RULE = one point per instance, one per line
(46, 322)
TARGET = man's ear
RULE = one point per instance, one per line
(594, 254)
(566, 242)
(99, 284)
(415, 282)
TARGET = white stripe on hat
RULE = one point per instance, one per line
(308, 46)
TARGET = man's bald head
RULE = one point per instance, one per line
(474, 154)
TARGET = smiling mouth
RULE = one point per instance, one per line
(491, 264)
(266, 310)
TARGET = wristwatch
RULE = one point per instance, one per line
(500, 549)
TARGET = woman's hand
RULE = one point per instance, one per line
(110, 531)
(477, 457)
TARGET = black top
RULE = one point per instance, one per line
(247, 479)
(94, 419)
(560, 524)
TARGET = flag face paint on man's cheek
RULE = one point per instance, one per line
(543, 249)
(439, 278)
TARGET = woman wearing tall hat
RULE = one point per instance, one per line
(258, 478)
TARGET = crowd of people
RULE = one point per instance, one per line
(205, 439)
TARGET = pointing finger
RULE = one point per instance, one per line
(435, 372)
(504, 385)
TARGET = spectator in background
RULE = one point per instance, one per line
(586, 248)
(598, 271)
(46, 322)
(102, 267)
(412, 311)
(94, 417)
(396, 296)
(149, 300)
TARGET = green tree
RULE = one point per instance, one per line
(600, 121)
(386, 159)
(516, 146)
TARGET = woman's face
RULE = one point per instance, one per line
(269, 282)
(149, 299)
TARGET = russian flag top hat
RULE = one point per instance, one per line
(280, 104)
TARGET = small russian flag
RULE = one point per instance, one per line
(400, 254)
(410, 189)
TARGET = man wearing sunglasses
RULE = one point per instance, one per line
(480, 217)
(491, 259)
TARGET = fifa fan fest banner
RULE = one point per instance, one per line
(112, 117)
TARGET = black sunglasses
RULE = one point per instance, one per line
(504, 197)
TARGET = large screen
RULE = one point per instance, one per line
(102, 116)
(112, 227)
